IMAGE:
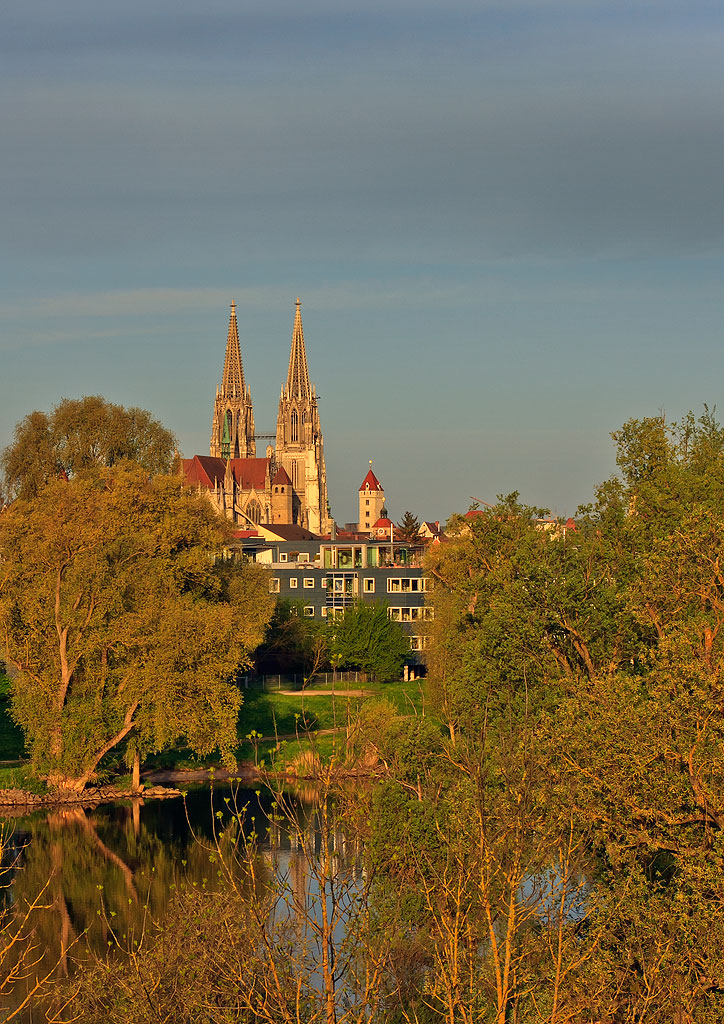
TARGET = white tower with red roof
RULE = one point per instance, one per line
(371, 501)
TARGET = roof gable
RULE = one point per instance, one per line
(371, 483)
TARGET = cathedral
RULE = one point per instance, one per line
(288, 485)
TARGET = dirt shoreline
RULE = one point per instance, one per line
(13, 799)
(15, 802)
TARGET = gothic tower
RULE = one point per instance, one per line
(232, 431)
(300, 447)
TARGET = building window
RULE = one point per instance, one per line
(282, 556)
(274, 585)
(368, 586)
(367, 502)
(323, 584)
(303, 556)
(323, 613)
(309, 611)
(293, 582)
(253, 511)
(411, 614)
(406, 585)
(418, 643)
(295, 425)
(309, 583)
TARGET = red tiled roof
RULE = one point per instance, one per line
(250, 473)
(207, 470)
(372, 482)
(281, 476)
(382, 524)
(242, 534)
(203, 469)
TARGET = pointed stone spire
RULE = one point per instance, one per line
(232, 428)
(298, 376)
(233, 384)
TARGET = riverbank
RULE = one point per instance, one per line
(24, 799)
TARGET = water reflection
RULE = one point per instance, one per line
(105, 874)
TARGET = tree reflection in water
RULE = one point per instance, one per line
(107, 874)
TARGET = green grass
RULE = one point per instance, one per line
(298, 716)
(301, 714)
(273, 713)
(19, 777)
(12, 744)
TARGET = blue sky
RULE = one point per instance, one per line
(504, 220)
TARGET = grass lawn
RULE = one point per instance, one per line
(284, 714)
(12, 744)
(293, 717)
(267, 714)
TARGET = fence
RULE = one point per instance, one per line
(297, 681)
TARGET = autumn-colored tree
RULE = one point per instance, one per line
(119, 619)
(80, 434)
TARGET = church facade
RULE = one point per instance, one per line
(287, 486)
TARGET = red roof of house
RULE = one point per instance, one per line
(207, 470)
(281, 476)
(382, 524)
(371, 483)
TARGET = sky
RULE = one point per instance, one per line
(504, 221)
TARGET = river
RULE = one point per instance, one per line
(102, 876)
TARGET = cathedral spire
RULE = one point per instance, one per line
(298, 376)
(232, 428)
(232, 384)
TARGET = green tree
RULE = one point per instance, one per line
(294, 642)
(120, 619)
(80, 434)
(408, 528)
(366, 638)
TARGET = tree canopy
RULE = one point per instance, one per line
(80, 434)
(364, 637)
(408, 528)
(119, 618)
(293, 642)
(580, 676)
